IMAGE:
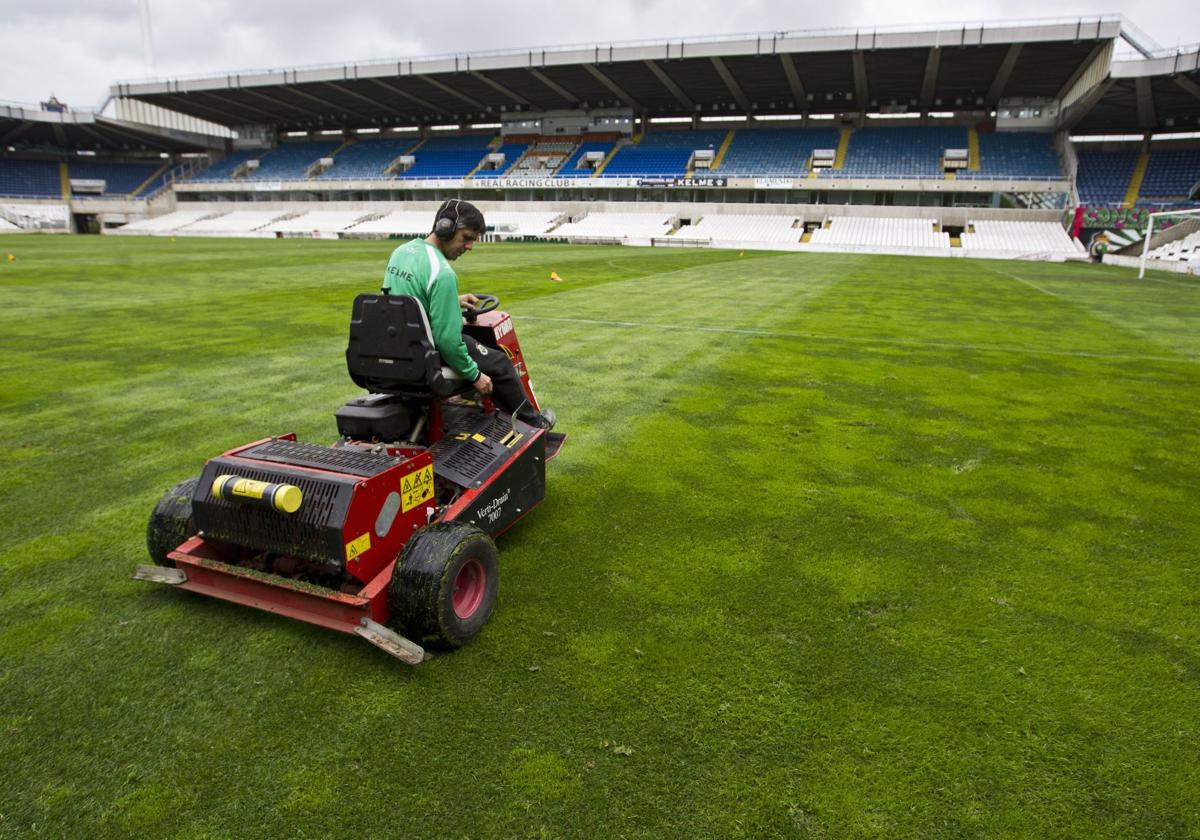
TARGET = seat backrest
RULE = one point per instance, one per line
(391, 349)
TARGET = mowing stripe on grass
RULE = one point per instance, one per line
(917, 345)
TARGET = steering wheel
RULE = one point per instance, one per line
(487, 303)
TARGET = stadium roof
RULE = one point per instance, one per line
(962, 67)
(78, 129)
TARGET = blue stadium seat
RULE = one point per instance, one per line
(902, 152)
(775, 152)
(1171, 175)
(368, 158)
(1103, 177)
(662, 153)
(288, 161)
(511, 152)
(448, 156)
(223, 169)
(570, 167)
(29, 178)
(1022, 155)
(119, 178)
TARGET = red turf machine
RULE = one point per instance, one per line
(388, 533)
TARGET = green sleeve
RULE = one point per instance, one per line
(445, 319)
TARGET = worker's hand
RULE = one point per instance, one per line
(483, 384)
(467, 300)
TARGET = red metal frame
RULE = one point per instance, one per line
(209, 575)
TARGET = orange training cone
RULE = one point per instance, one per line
(554, 278)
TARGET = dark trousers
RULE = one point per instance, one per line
(507, 391)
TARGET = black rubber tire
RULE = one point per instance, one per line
(172, 522)
(421, 592)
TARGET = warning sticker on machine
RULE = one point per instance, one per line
(358, 546)
(249, 488)
(415, 488)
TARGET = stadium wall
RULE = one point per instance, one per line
(1152, 265)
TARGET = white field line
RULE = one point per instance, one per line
(1172, 282)
(1021, 280)
(899, 342)
(1053, 294)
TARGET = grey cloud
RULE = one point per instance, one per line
(78, 49)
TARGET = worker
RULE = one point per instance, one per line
(421, 269)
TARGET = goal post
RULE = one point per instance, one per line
(1179, 215)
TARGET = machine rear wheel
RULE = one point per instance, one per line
(172, 522)
(444, 585)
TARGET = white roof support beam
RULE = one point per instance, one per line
(1072, 115)
(1083, 67)
(793, 79)
(861, 90)
(612, 86)
(670, 85)
(496, 86)
(731, 83)
(1002, 75)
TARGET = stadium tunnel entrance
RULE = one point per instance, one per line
(86, 222)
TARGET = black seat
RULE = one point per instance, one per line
(391, 349)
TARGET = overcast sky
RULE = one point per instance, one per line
(76, 49)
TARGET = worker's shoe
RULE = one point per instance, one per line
(545, 419)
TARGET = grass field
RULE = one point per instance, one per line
(839, 547)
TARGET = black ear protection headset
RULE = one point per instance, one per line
(445, 227)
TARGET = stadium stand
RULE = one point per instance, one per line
(119, 178)
(543, 159)
(1181, 250)
(368, 158)
(875, 233)
(237, 223)
(519, 223)
(42, 218)
(992, 238)
(775, 152)
(618, 226)
(734, 227)
(163, 225)
(1103, 177)
(323, 221)
(30, 178)
(398, 223)
(448, 156)
(1019, 154)
(8, 227)
(223, 169)
(905, 152)
(574, 166)
(1171, 176)
(662, 153)
(289, 161)
(511, 151)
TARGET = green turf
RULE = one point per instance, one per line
(839, 547)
